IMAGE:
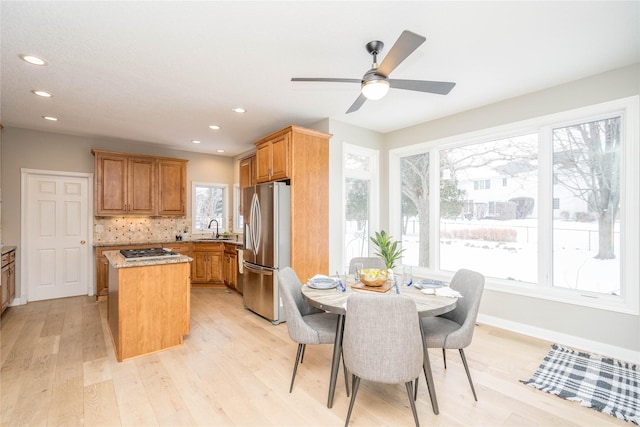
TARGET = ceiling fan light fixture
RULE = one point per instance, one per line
(375, 89)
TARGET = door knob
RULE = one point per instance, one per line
(82, 242)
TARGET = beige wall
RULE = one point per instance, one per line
(22, 148)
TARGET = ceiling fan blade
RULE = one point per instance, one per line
(321, 79)
(403, 47)
(441, 88)
(357, 104)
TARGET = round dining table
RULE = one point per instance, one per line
(335, 301)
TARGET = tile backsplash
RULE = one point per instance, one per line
(130, 230)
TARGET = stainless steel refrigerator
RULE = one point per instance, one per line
(267, 247)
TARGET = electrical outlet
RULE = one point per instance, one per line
(132, 228)
(99, 228)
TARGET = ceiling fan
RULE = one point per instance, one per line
(376, 82)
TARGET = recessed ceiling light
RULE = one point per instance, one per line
(214, 127)
(219, 151)
(195, 141)
(239, 110)
(33, 59)
(50, 118)
(42, 93)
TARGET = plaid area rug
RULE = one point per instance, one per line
(601, 383)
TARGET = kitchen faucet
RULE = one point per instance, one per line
(217, 231)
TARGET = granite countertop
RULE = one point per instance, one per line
(118, 261)
(7, 249)
(172, 242)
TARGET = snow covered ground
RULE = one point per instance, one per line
(574, 265)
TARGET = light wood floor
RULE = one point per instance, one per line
(59, 368)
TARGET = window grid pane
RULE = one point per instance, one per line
(490, 229)
(586, 231)
(415, 209)
(208, 207)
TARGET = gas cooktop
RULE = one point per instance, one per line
(144, 254)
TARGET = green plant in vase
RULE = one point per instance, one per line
(387, 248)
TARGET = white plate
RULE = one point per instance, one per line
(430, 284)
(322, 284)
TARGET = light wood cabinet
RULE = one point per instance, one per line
(127, 184)
(247, 175)
(207, 266)
(172, 181)
(148, 308)
(273, 159)
(301, 156)
(8, 283)
(231, 266)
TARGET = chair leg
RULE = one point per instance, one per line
(410, 392)
(466, 368)
(346, 375)
(295, 366)
(415, 390)
(444, 357)
(355, 382)
(304, 347)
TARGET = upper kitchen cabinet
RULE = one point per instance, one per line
(301, 156)
(247, 174)
(127, 184)
(172, 180)
(272, 158)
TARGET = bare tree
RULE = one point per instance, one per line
(587, 163)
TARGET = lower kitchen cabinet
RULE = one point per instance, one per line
(231, 266)
(207, 265)
(8, 291)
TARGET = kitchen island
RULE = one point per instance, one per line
(147, 304)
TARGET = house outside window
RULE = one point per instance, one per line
(516, 235)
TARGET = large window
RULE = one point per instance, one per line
(497, 233)
(209, 207)
(540, 208)
(360, 167)
(586, 231)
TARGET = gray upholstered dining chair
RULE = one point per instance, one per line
(382, 342)
(454, 330)
(305, 324)
(367, 262)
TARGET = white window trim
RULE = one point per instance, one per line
(237, 194)
(628, 108)
(223, 226)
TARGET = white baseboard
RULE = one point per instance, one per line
(563, 339)
(17, 301)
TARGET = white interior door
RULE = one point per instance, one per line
(55, 234)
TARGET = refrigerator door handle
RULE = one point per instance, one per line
(256, 269)
(255, 220)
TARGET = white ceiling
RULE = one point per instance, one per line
(161, 72)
